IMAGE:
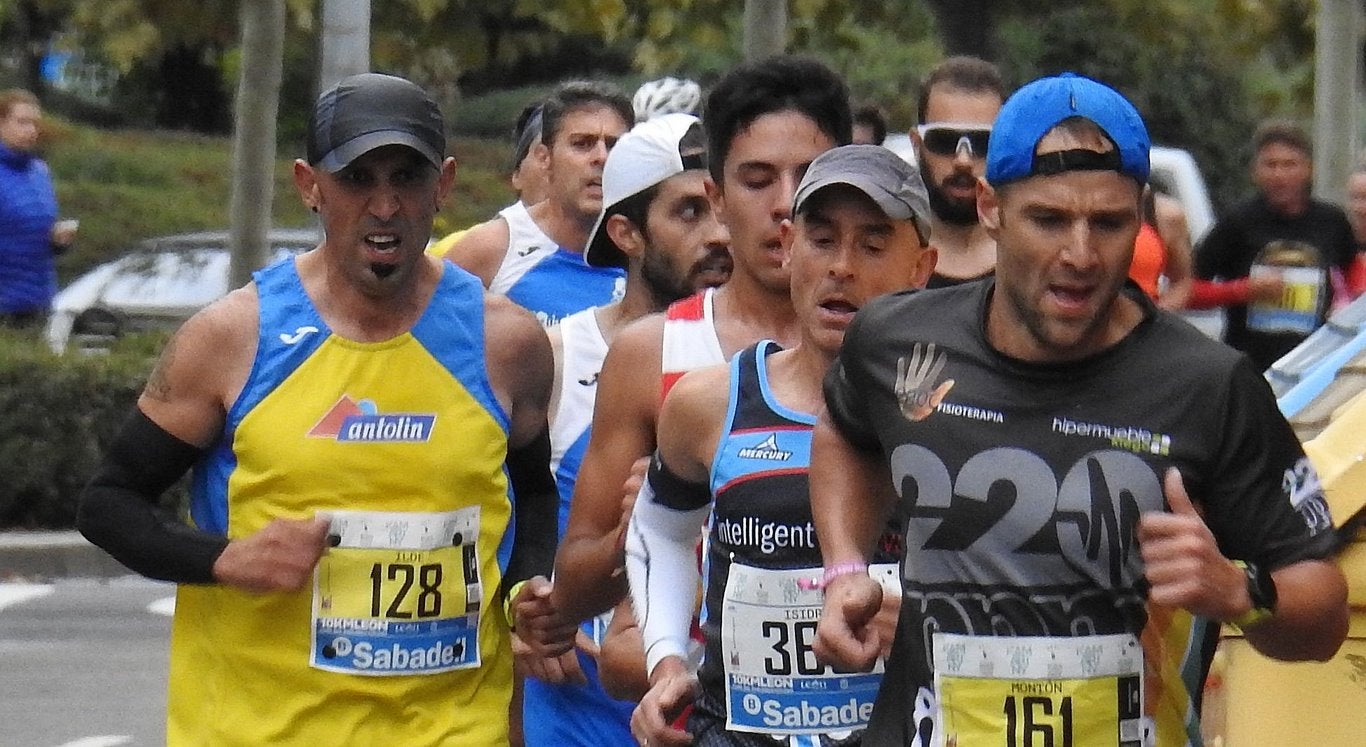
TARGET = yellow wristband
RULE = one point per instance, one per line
(507, 603)
(1250, 618)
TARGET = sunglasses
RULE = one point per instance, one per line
(945, 139)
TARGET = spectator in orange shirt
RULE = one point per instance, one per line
(1163, 250)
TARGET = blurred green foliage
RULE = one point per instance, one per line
(60, 412)
(127, 185)
(1187, 89)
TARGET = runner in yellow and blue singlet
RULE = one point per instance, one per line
(397, 609)
(367, 430)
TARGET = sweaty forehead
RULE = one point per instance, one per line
(690, 183)
(23, 110)
(591, 119)
(951, 104)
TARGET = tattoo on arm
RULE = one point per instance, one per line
(159, 383)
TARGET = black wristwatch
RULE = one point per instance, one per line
(1261, 589)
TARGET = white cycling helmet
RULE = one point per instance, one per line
(666, 96)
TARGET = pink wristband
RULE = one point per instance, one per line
(832, 573)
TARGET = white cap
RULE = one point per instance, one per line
(642, 158)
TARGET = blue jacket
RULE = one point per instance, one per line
(28, 208)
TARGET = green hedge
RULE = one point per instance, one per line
(59, 412)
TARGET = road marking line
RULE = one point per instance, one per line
(164, 606)
(17, 593)
(101, 741)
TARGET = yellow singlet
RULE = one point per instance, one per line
(399, 640)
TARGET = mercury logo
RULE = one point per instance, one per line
(768, 451)
(360, 422)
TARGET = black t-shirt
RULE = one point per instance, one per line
(1254, 239)
(1021, 485)
(947, 281)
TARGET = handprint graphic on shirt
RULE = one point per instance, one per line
(915, 382)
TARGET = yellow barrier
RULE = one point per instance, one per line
(1253, 701)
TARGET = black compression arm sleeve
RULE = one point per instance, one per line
(118, 510)
(537, 503)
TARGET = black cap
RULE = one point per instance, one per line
(368, 111)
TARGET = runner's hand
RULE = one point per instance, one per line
(279, 557)
(1265, 288)
(555, 670)
(671, 690)
(1182, 561)
(539, 623)
(886, 618)
(846, 636)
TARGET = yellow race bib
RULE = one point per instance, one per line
(1039, 691)
(398, 593)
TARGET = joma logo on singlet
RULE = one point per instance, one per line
(768, 450)
(360, 422)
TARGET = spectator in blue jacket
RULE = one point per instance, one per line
(30, 234)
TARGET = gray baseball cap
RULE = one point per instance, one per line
(369, 111)
(889, 181)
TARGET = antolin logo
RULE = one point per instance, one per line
(360, 421)
(768, 450)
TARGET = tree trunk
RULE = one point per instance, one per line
(35, 30)
(253, 142)
(765, 28)
(345, 40)
(966, 26)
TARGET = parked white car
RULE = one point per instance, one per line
(158, 284)
(901, 144)
(1175, 172)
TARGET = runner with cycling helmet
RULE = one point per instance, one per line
(666, 96)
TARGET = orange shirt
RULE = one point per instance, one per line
(1150, 258)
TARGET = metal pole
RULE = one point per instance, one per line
(765, 28)
(1337, 83)
(345, 42)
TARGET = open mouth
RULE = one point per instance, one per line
(960, 185)
(382, 250)
(1071, 299)
(838, 307)
(383, 244)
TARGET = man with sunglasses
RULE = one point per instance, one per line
(958, 101)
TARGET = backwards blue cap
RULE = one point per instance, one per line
(1035, 109)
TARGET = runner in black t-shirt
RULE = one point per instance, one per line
(1059, 585)
(1281, 241)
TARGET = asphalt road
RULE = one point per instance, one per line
(83, 662)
